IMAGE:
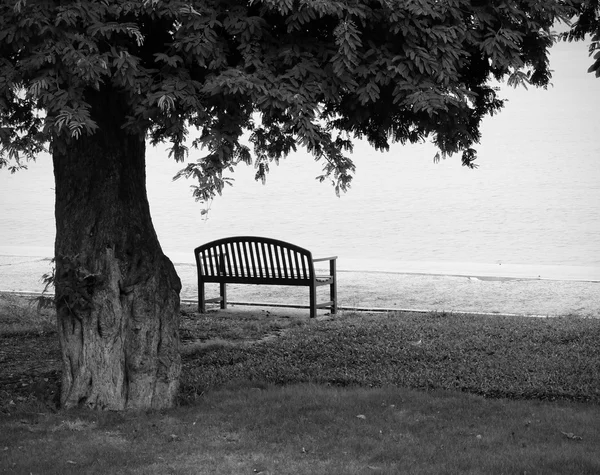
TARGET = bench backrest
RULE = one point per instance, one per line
(242, 258)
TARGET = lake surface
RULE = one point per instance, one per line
(532, 208)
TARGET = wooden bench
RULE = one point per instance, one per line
(257, 260)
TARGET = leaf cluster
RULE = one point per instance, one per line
(587, 23)
(258, 78)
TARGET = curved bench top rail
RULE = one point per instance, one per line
(253, 257)
(253, 239)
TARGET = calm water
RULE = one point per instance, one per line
(533, 204)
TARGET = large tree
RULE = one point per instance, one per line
(95, 80)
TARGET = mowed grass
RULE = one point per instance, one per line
(493, 356)
(360, 393)
(313, 429)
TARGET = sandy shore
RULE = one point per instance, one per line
(379, 290)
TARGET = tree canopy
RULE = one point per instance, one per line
(314, 73)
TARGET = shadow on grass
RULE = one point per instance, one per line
(313, 429)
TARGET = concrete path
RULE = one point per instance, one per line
(378, 290)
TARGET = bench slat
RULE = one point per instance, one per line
(265, 260)
(246, 259)
(276, 251)
(271, 261)
(210, 270)
(202, 263)
(229, 259)
(305, 270)
(256, 254)
(281, 255)
(252, 261)
(225, 260)
(255, 246)
(289, 264)
(239, 262)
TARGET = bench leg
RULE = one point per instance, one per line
(201, 298)
(333, 297)
(313, 301)
(333, 286)
(223, 287)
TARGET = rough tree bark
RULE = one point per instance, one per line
(117, 294)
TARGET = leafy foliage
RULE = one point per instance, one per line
(588, 23)
(276, 73)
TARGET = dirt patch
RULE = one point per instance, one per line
(29, 352)
(30, 359)
(29, 368)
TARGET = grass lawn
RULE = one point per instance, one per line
(359, 393)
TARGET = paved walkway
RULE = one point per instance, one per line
(379, 290)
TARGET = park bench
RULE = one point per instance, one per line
(257, 260)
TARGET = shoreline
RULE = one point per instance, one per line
(389, 290)
(496, 270)
(296, 309)
(488, 278)
(478, 271)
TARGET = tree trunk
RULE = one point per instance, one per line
(117, 294)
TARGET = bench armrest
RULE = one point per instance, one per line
(333, 258)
